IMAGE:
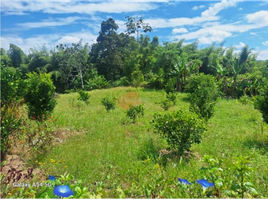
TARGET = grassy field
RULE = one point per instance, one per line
(109, 153)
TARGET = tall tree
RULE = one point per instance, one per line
(16, 55)
(136, 25)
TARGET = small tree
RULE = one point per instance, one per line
(108, 103)
(135, 111)
(181, 129)
(40, 96)
(83, 96)
(204, 95)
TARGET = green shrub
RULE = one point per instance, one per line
(172, 97)
(40, 96)
(108, 103)
(137, 78)
(204, 93)
(245, 100)
(261, 103)
(166, 104)
(199, 80)
(12, 91)
(123, 81)
(83, 96)
(134, 112)
(181, 129)
(97, 82)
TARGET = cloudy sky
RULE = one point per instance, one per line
(36, 23)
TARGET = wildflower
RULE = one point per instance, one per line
(52, 160)
(63, 191)
(65, 166)
(40, 163)
(205, 184)
(51, 178)
(184, 181)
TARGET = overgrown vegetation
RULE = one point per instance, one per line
(128, 159)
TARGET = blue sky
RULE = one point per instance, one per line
(36, 23)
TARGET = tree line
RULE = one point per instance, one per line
(123, 60)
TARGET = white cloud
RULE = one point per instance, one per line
(175, 22)
(198, 7)
(179, 30)
(265, 43)
(260, 17)
(68, 6)
(49, 23)
(240, 9)
(240, 45)
(49, 39)
(217, 7)
(252, 33)
(262, 54)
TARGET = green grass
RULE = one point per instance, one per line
(108, 151)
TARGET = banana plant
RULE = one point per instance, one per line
(220, 70)
(182, 69)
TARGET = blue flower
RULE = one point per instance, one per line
(184, 181)
(51, 178)
(205, 184)
(63, 191)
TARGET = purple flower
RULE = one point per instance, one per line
(184, 181)
(205, 184)
(63, 191)
(51, 178)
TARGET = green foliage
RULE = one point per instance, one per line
(83, 96)
(172, 96)
(261, 103)
(199, 80)
(109, 103)
(166, 104)
(40, 96)
(12, 91)
(245, 100)
(204, 95)
(137, 78)
(148, 150)
(181, 129)
(242, 169)
(96, 81)
(135, 112)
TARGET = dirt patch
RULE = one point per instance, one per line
(15, 168)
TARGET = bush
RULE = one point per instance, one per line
(108, 103)
(200, 80)
(97, 82)
(135, 111)
(12, 91)
(166, 104)
(123, 81)
(83, 96)
(261, 103)
(204, 93)
(171, 96)
(181, 129)
(40, 96)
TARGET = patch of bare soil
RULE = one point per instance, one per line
(16, 169)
